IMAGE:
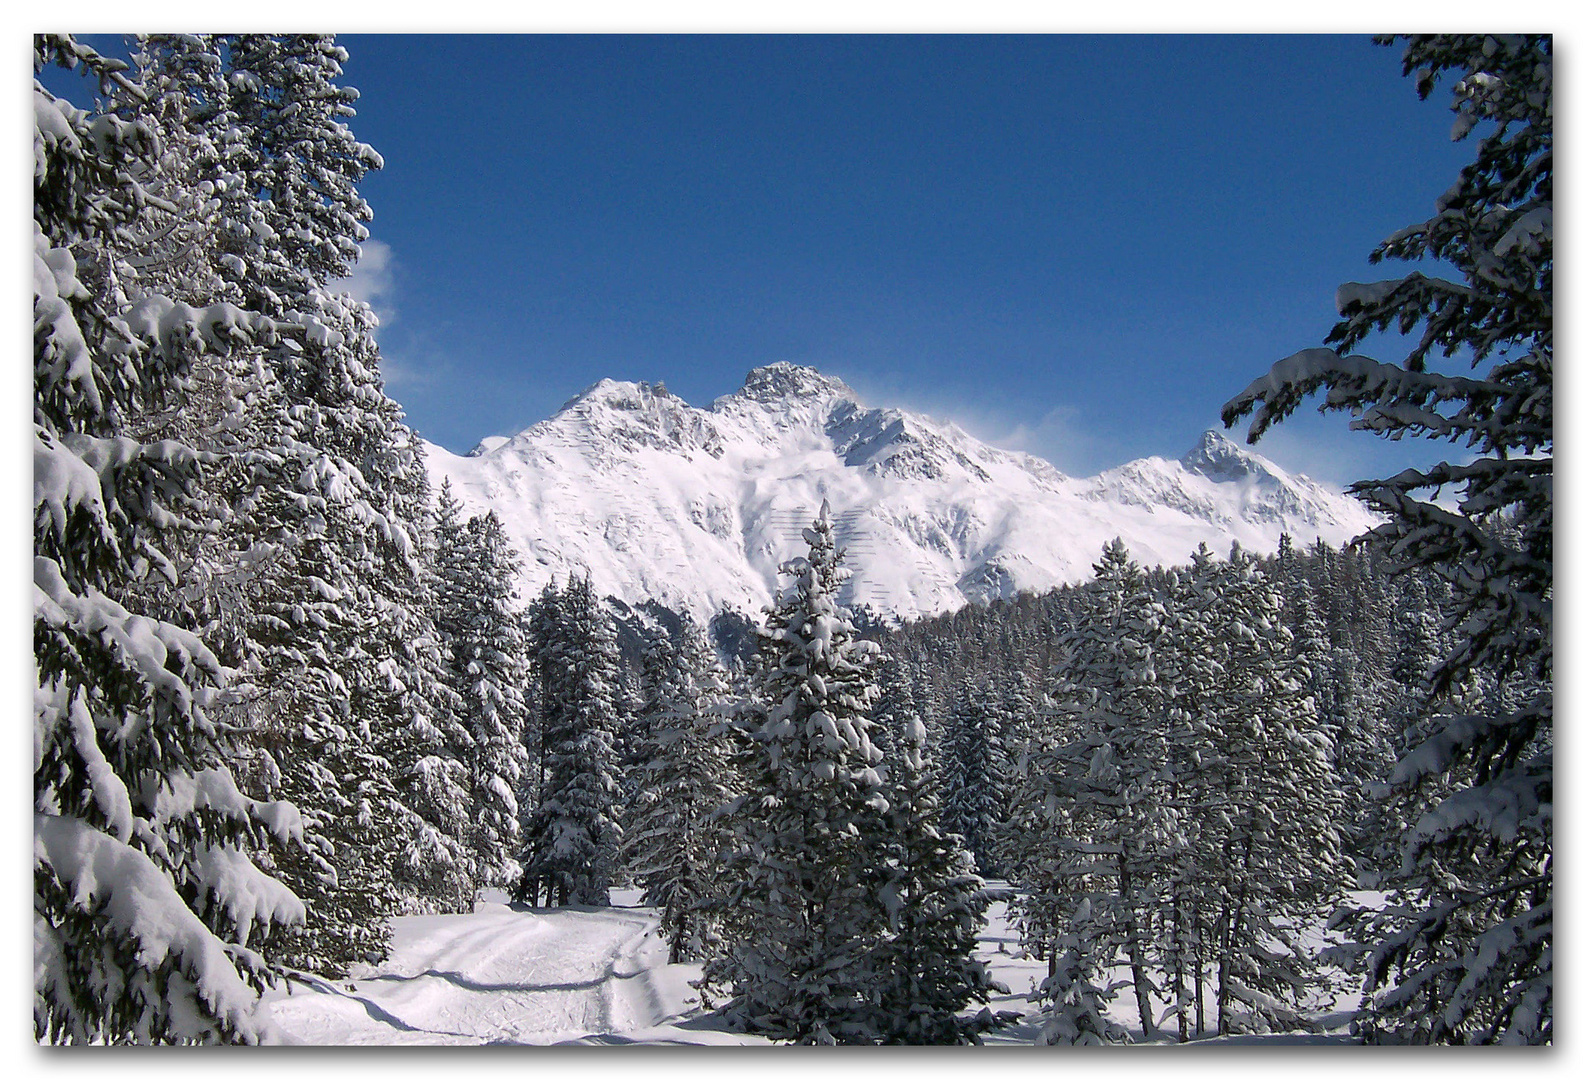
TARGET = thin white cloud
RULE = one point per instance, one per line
(373, 279)
(412, 364)
(1057, 436)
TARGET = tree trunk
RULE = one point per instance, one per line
(1201, 976)
(1231, 937)
(1143, 1001)
(1180, 943)
(1224, 942)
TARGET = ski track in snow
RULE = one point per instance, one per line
(513, 975)
(504, 975)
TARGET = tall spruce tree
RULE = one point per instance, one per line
(1269, 803)
(1465, 953)
(800, 915)
(147, 892)
(571, 839)
(302, 166)
(1111, 823)
(296, 224)
(976, 772)
(488, 649)
(684, 776)
(936, 907)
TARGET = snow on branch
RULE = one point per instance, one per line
(139, 902)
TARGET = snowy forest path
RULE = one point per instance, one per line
(503, 974)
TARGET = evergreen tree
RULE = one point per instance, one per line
(147, 892)
(1269, 802)
(684, 776)
(800, 916)
(310, 619)
(296, 225)
(1111, 822)
(975, 803)
(895, 705)
(173, 247)
(1076, 1013)
(571, 840)
(936, 906)
(293, 228)
(411, 703)
(486, 642)
(1465, 953)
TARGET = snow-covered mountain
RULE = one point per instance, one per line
(696, 508)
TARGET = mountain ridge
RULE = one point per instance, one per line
(657, 499)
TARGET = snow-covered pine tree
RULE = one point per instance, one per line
(1465, 954)
(311, 621)
(232, 410)
(976, 772)
(936, 907)
(1189, 667)
(485, 637)
(684, 777)
(297, 223)
(146, 896)
(1025, 850)
(571, 838)
(1077, 999)
(270, 581)
(1019, 713)
(1268, 802)
(895, 705)
(405, 698)
(1310, 640)
(543, 619)
(179, 86)
(800, 915)
(292, 157)
(1109, 822)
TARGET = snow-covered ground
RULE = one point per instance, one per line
(509, 975)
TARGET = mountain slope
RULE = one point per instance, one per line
(696, 508)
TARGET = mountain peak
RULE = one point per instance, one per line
(697, 508)
(616, 393)
(1218, 458)
(784, 380)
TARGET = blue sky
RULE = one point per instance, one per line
(1074, 245)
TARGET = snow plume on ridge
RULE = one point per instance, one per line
(657, 499)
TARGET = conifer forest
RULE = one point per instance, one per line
(292, 704)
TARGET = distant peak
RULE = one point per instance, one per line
(1213, 441)
(616, 393)
(1217, 457)
(785, 380)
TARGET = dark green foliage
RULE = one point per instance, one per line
(571, 838)
(1464, 954)
(804, 859)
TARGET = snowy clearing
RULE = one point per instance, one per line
(513, 975)
(508, 974)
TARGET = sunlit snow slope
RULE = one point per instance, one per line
(696, 507)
